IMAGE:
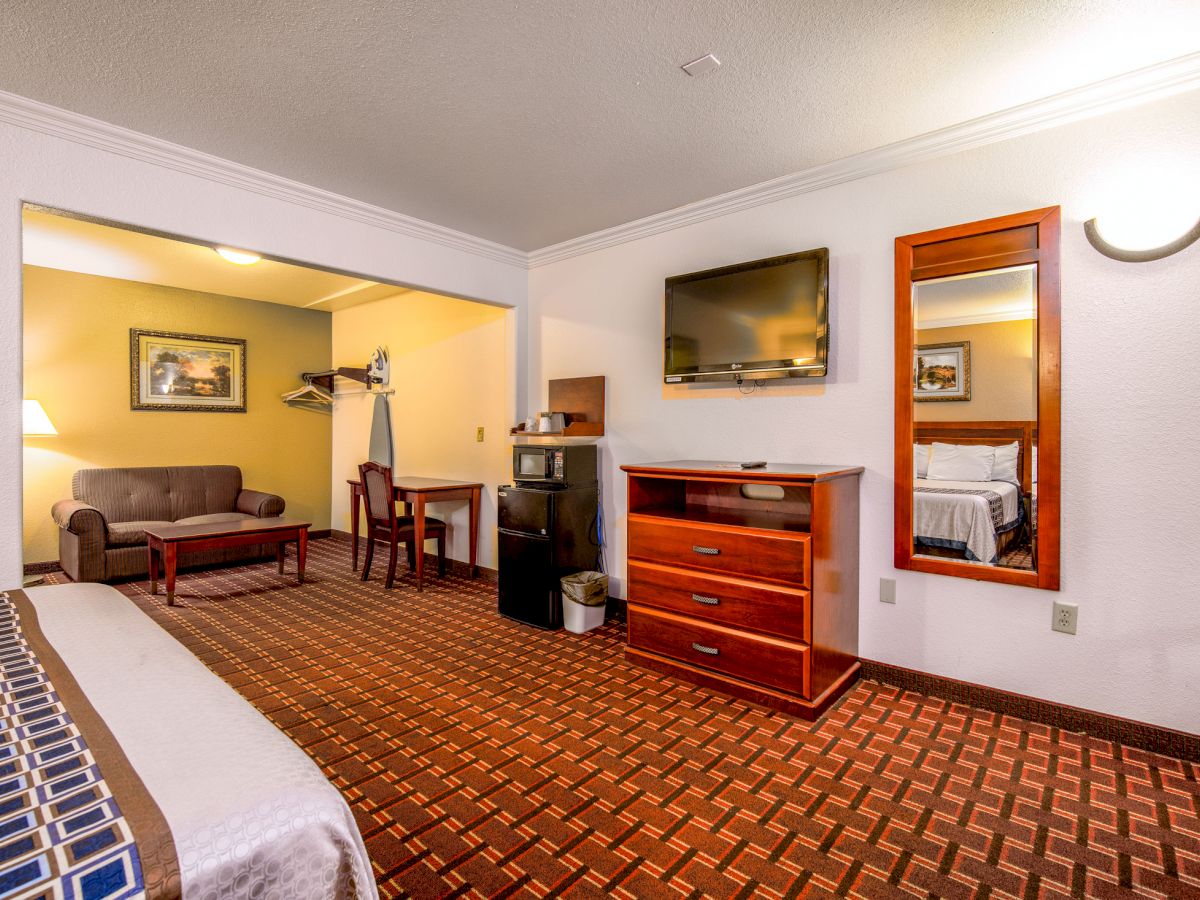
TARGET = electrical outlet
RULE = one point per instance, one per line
(887, 590)
(1066, 617)
(479, 434)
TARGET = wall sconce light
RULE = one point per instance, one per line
(1113, 251)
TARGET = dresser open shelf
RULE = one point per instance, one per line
(746, 580)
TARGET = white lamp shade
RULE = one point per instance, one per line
(35, 419)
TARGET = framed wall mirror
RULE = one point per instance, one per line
(977, 400)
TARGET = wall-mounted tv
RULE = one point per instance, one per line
(763, 319)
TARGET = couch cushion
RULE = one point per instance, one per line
(200, 490)
(126, 495)
(130, 534)
(213, 518)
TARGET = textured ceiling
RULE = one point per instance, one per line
(998, 296)
(530, 122)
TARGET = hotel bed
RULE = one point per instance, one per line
(976, 520)
(130, 770)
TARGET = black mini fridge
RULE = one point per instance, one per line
(545, 533)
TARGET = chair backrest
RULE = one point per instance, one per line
(377, 488)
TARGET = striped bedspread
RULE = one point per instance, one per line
(130, 770)
(995, 501)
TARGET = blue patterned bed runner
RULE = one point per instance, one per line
(61, 833)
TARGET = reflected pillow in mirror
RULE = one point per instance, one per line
(1005, 466)
(959, 462)
(920, 460)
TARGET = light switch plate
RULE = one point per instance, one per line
(479, 434)
(887, 590)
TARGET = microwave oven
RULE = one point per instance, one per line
(570, 466)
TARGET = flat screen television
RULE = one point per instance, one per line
(763, 319)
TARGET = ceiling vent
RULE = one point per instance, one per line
(700, 66)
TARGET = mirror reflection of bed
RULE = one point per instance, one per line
(990, 522)
(975, 418)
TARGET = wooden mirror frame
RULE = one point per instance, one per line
(1016, 240)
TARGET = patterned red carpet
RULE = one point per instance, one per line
(484, 758)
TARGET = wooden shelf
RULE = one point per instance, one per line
(726, 518)
(581, 400)
(575, 429)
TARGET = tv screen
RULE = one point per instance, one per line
(766, 318)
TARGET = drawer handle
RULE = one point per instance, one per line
(706, 551)
(707, 601)
(700, 648)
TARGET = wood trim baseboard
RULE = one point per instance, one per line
(1131, 733)
(41, 568)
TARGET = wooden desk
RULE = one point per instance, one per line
(417, 491)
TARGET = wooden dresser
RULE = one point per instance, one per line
(746, 580)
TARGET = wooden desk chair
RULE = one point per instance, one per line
(384, 525)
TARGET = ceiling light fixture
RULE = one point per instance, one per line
(699, 66)
(237, 257)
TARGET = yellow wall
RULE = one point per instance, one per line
(76, 362)
(451, 374)
(1002, 373)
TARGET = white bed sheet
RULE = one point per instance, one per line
(251, 815)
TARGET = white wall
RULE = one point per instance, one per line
(1131, 411)
(49, 170)
(450, 370)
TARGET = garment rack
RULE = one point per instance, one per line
(318, 390)
(366, 393)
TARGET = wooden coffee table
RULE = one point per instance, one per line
(165, 543)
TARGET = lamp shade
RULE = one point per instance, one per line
(35, 419)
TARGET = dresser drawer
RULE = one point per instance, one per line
(737, 602)
(779, 556)
(753, 657)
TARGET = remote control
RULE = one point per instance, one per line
(756, 464)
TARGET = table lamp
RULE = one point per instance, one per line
(35, 423)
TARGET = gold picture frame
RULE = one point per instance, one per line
(942, 371)
(174, 372)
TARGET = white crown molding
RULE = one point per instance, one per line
(1008, 315)
(51, 120)
(1142, 85)
(1139, 86)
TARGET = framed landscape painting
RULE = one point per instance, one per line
(186, 372)
(942, 371)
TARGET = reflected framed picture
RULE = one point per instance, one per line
(176, 372)
(942, 371)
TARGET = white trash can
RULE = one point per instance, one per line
(584, 595)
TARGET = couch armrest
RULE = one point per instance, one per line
(79, 518)
(256, 503)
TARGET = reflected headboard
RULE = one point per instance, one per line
(988, 434)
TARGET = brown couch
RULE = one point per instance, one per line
(102, 531)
